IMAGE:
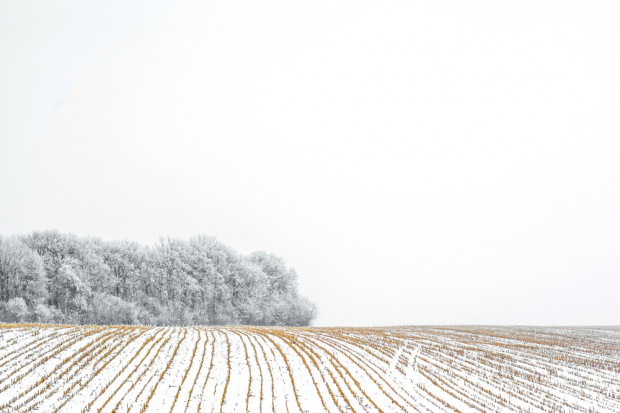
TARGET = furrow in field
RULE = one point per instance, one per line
(261, 379)
(193, 361)
(88, 370)
(368, 365)
(141, 370)
(61, 376)
(269, 406)
(199, 369)
(202, 395)
(281, 386)
(39, 354)
(24, 346)
(161, 396)
(98, 375)
(47, 371)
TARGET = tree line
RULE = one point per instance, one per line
(53, 277)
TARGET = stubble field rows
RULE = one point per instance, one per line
(258, 369)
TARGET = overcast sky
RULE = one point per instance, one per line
(416, 162)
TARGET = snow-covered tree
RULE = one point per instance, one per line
(21, 273)
(62, 278)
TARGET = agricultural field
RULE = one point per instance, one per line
(236, 369)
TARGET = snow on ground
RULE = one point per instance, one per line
(237, 369)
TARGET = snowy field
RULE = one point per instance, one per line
(237, 369)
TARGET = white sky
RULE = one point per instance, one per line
(417, 162)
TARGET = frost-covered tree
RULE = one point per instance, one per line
(62, 278)
(16, 310)
(22, 273)
(70, 291)
(125, 261)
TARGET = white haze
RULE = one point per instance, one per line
(416, 161)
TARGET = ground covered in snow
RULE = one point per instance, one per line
(237, 369)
